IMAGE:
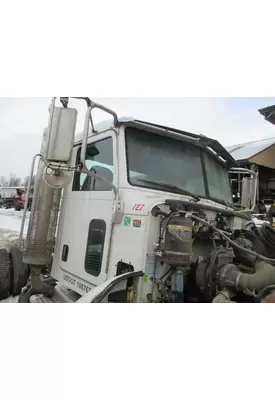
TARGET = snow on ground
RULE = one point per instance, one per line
(11, 220)
(9, 300)
(10, 225)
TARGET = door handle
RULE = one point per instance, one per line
(65, 253)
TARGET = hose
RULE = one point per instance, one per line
(233, 244)
(231, 277)
(245, 269)
(264, 276)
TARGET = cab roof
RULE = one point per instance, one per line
(207, 143)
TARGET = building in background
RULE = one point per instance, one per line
(258, 156)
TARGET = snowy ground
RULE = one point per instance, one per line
(10, 220)
(10, 225)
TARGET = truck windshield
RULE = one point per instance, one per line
(163, 163)
(218, 181)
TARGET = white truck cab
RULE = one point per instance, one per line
(148, 165)
(131, 211)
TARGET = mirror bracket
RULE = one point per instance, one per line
(254, 177)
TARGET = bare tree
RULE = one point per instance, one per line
(14, 180)
(26, 181)
(3, 181)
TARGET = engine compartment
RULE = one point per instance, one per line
(211, 258)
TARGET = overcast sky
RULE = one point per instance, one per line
(229, 120)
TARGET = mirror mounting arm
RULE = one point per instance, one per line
(255, 177)
(118, 206)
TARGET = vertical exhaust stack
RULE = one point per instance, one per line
(54, 173)
(43, 218)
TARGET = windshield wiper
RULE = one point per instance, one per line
(172, 187)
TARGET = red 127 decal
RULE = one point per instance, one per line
(138, 207)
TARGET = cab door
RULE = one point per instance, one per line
(87, 224)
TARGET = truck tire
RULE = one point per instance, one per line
(19, 272)
(5, 269)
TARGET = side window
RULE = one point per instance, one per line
(99, 160)
(95, 247)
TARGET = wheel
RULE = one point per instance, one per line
(19, 272)
(5, 266)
